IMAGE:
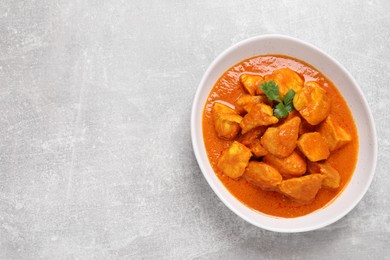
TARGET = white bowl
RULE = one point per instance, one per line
(367, 155)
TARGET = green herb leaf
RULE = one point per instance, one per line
(271, 90)
(283, 108)
(280, 111)
(288, 100)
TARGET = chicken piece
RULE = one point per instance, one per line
(332, 176)
(259, 115)
(290, 116)
(234, 160)
(302, 189)
(312, 103)
(306, 127)
(282, 140)
(226, 121)
(258, 150)
(262, 175)
(286, 79)
(291, 166)
(252, 136)
(251, 140)
(252, 83)
(247, 101)
(313, 146)
(334, 135)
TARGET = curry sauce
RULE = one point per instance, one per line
(229, 89)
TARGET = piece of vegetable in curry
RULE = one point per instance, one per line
(286, 155)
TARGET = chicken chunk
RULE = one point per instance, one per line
(282, 140)
(258, 150)
(252, 83)
(302, 189)
(246, 101)
(313, 146)
(334, 135)
(234, 160)
(259, 115)
(312, 103)
(290, 116)
(251, 140)
(306, 127)
(332, 176)
(226, 121)
(252, 136)
(291, 166)
(263, 175)
(286, 79)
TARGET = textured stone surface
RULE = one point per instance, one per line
(95, 151)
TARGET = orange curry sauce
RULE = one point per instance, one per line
(228, 88)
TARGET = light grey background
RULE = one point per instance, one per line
(95, 152)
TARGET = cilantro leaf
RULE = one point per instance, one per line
(271, 90)
(280, 111)
(283, 108)
(288, 100)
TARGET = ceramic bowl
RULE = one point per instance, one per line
(333, 70)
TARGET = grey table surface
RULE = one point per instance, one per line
(96, 158)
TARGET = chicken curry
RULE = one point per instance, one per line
(279, 136)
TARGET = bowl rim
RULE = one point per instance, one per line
(196, 141)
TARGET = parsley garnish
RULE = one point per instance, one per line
(280, 111)
(288, 100)
(283, 108)
(271, 90)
